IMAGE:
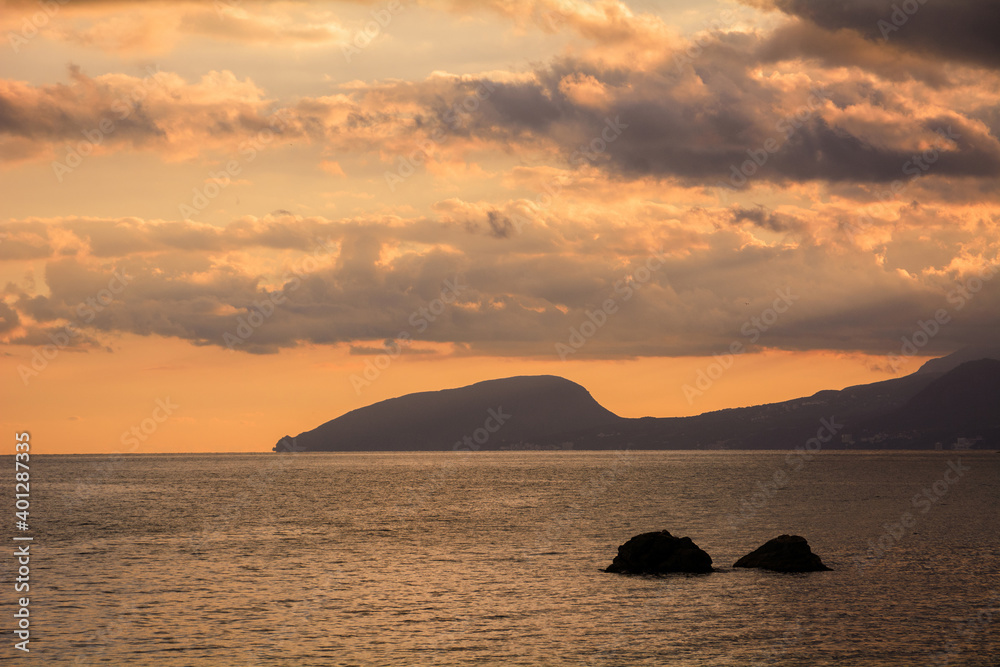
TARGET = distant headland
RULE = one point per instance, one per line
(950, 403)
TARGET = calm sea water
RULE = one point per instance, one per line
(495, 559)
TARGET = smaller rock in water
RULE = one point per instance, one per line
(660, 553)
(786, 553)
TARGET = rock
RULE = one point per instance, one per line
(787, 553)
(659, 553)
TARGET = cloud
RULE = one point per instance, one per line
(156, 27)
(25, 240)
(391, 346)
(820, 139)
(802, 40)
(262, 27)
(960, 30)
(9, 318)
(697, 120)
(366, 281)
(158, 112)
(661, 123)
(765, 219)
(133, 27)
(605, 23)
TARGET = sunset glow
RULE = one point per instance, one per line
(265, 214)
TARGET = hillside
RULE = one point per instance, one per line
(964, 402)
(917, 411)
(506, 412)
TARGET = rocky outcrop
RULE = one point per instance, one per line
(786, 553)
(660, 553)
(288, 444)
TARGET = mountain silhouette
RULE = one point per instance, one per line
(490, 414)
(925, 409)
(964, 402)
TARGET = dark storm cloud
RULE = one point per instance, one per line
(655, 125)
(699, 120)
(803, 40)
(963, 30)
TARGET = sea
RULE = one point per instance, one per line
(497, 558)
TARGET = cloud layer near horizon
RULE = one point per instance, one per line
(675, 291)
(810, 153)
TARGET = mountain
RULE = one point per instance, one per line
(926, 409)
(964, 402)
(488, 415)
(954, 360)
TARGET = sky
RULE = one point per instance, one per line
(223, 222)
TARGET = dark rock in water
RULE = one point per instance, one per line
(787, 553)
(659, 553)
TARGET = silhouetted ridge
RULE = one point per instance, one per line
(964, 402)
(919, 411)
(968, 393)
(956, 359)
(526, 411)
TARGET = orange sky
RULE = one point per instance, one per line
(238, 206)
